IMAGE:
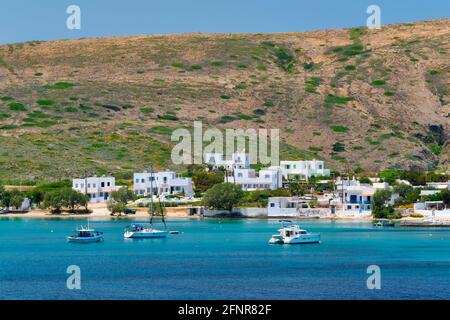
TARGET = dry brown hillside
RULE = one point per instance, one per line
(356, 98)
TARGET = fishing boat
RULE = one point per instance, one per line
(85, 235)
(292, 234)
(142, 231)
(383, 223)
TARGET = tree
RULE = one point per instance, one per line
(16, 198)
(407, 193)
(75, 199)
(119, 200)
(446, 197)
(297, 188)
(380, 209)
(13, 198)
(365, 180)
(123, 195)
(204, 180)
(55, 201)
(223, 196)
(116, 207)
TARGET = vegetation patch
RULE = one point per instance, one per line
(340, 129)
(330, 99)
(59, 85)
(146, 110)
(169, 117)
(45, 102)
(16, 106)
(312, 84)
(378, 83)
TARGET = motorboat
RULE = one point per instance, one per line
(85, 235)
(293, 234)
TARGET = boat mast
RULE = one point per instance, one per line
(151, 196)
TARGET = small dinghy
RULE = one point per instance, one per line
(86, 235)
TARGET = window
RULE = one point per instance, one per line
(137, 180)
(94, 185)
(76, 185)
(142, 180)
(108, 184)
(272, 205)
(267, 176)
(240, 174)
(89, 185)
(103, 184)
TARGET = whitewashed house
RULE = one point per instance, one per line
(238, 160)
(97, 188)
(355, 198)
(161, 183)
(303, 170)
(248, 180)
(433, 209)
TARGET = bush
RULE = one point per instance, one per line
(59, 85)
(15, 106)
(339, 129)
(45, 102)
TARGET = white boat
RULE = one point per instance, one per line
(138, 231)
(294, 235)
(86, 235)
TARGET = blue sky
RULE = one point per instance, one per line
(25, 20)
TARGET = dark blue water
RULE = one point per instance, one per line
(223, 259)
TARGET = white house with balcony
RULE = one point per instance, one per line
(248, 180)
(303, 170)
(355, 198)
(239, 160)
(98, 189)
(161, 183)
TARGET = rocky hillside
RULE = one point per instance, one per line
(354, 97)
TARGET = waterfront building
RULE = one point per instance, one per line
(355, 198)
(267, 179)
(432, 209)
(303, 170)
(97, 188)
(161, 183)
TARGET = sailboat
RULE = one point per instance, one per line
(141, 231)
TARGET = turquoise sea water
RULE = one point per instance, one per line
(223, 259)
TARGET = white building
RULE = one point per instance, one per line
(248, 180)
(97, 188)
(287, 206)
(355, 198)
(238, 160)
(164, 183)
(432, 209)
(303, 169)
